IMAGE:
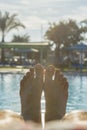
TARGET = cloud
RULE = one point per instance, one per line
(34, 13)
(25, 2)
(78, 15)
(33, 22)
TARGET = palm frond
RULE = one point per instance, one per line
(15, 26)
(9, 22)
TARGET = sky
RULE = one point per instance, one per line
(37, 14)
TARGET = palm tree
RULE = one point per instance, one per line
(23, 38)
(7, 23)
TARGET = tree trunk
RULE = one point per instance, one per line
(3, 37)
(57, 57)
(2, 50)
(2, 56)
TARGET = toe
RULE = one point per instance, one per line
(22, 85)
(49, 72)
(39, 70)
(28, 74)
(58, 76)
(31, 75)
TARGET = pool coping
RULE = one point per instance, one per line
(13, 70)
(75, 73)
(24, 70)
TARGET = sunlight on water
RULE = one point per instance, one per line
(9, 91)
(42, 102)
(43, 109)
(77, 93)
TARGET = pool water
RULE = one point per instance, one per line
(9, 91)
(10, 85)
(77, 92)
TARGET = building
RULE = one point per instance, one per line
(22, 51)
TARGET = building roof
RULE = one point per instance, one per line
(36, 45)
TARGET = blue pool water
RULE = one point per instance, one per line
(10, 85)
(9, 91)
(77, 92)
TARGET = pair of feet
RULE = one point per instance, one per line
(55, 87)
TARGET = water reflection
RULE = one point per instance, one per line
(9, 91)
(77, 93)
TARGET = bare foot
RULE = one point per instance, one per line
(56, 93)
(30, 93)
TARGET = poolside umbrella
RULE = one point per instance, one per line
(79, 47)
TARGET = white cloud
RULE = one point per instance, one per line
(34, 22)
(25, 2)
(78, 15)
(34, 13)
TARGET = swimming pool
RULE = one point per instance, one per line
(9, 91)
(77, 92)
(10, 85)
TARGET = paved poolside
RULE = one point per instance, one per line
(21, 69)
(13, 70)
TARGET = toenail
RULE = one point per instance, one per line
(51, 67)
